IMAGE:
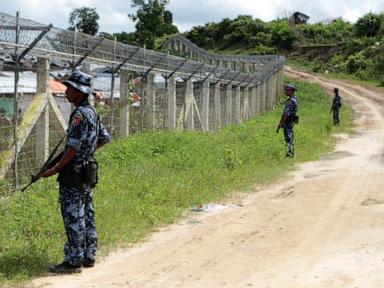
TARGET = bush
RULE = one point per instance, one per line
(318, 67)
(282, 35)
(355, 63)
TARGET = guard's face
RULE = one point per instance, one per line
(70, 93)
(288, 91)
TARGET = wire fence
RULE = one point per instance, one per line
(137, 90)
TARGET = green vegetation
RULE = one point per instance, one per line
(252, 35)
(356, 50)
(150, 180)
(85, 20)
(152, 20)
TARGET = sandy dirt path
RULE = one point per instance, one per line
(323, 226)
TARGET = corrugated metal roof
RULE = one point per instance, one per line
(27, 82)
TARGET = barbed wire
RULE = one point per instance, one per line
(69, 46)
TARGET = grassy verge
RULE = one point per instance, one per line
(151, 179)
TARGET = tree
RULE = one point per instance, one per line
(85, 20)
(152, 21)
(368, 25)
(282, 34)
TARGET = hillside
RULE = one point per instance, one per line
(355, 50)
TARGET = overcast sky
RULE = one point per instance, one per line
(186, 13)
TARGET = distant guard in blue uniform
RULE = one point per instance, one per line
(336, 105)
(289, 119)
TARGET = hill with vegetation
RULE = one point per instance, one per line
(355, 50)
(339, 46)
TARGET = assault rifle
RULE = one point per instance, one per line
(47, 165)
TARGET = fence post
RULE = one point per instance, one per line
(205, 110)
(253, 108)
(268, 97)
(237, 105)
(259, 99)
(273, 86)
(171, 103)
(217, 99)
(228, 105)
(264, 96)
(151, 100)
(42, 124)
(246, 104)
(124, 104)
(87, 69)
(278, 86)
(189, 107)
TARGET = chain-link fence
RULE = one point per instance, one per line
(137, 90)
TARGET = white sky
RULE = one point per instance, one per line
(186, 13)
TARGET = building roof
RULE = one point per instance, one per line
(56, 87)
(27, 82)
(301, 15)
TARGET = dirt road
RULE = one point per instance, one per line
(321, 227)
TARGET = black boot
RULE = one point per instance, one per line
(66, 268)
(88, 263)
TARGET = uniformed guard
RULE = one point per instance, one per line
(336, 105)
(77, 175)
(289, 119)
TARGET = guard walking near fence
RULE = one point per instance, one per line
(77, 175)
(289, 119)
(336, 105)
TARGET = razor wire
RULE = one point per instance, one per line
(68, 48)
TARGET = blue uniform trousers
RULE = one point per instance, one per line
(289, 137)
(336, 118)
(79, 222)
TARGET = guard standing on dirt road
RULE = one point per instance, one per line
(336, 105)
(289, 119)
(77, 175)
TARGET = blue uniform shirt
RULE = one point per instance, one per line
(291, 107)
(85, 131)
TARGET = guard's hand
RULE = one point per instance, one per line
(49, 172)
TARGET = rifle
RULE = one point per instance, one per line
(47, 165)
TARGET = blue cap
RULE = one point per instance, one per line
(80, 81)
(289, 86)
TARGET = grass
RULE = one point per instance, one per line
(150, 180)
